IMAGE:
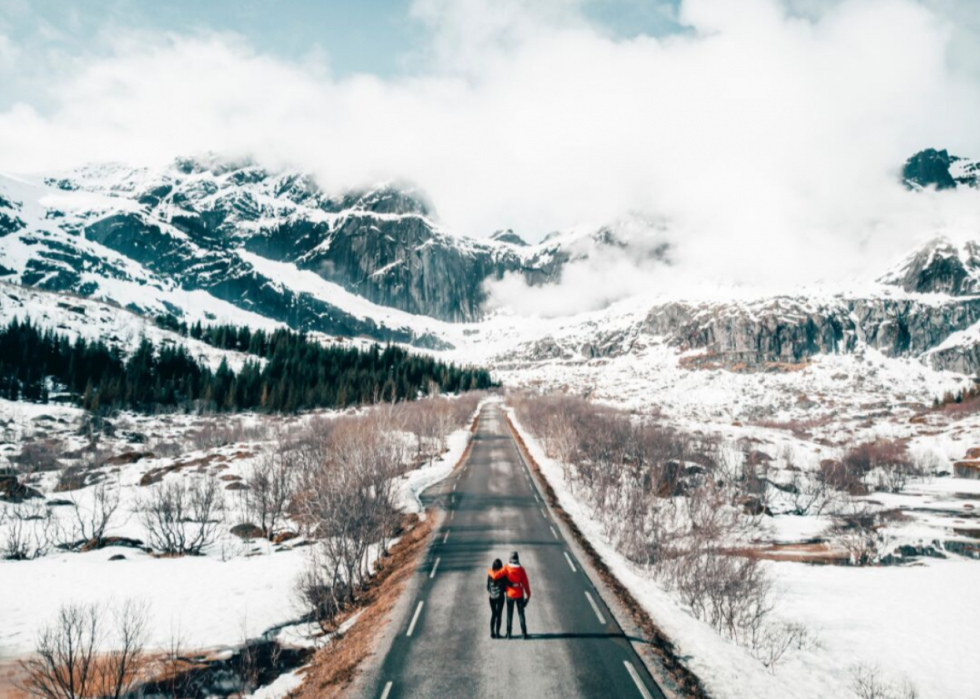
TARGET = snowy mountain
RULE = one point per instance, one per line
(939, 169)
(228, 241)
(243, 236)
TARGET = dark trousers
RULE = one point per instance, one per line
(496, 615)
(520, 612)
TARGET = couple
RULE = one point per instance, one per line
(508, 581)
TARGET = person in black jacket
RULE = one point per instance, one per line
(497, 589)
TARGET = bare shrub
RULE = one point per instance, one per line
(770, 642)
(123, 669)
(348, 506)
(868, 682)
(40, 455)
(69, 662)
(808, 494)
(888, 459)
(91, 520)
(858, 528)
(213, 433)
(167, 449)
(271, 481)
(182, 516)
(30, 533)
(64, 662)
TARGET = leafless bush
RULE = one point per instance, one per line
(69, 662)
(808, 494)
(182, 516)
(91, 520)
(168, 449)
(271, 481)
(123, 669)
(64, 662)
(348, 506)
(30, 532)
(40, 455)
(215, 433)
(858, 528)
(770, 642)
(869, 683)
(320, 589)
(886, 458)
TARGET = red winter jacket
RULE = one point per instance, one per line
(518, 586)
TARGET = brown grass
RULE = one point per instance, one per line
(660, 645)
(799, 553)
(335, 666)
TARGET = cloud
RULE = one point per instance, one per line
(767, 135)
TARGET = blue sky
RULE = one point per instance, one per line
(356, 36)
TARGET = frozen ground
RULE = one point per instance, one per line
(237, 590)
(912, 622)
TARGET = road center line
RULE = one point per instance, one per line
(434, 566)
(415, 618)
(595, 608)
(446, 536)
(543, 514)
(553, 532)
(636, 678)
(454, 485)
(387, 691)
(452, 513)
(572, 566)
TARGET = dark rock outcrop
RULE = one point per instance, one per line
(929, 168)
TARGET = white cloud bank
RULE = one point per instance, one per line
(768, 136)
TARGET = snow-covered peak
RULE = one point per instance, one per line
(940, 266)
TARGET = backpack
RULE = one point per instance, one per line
(496, 587)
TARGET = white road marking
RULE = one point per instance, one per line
(387, 691)
(595, 608)
(434, 566)
(446, 536)
(415, 618)
(572, 566)
(553, 532)
(537, 498)
(636, 678)
(543, 514)
(452, 513)
(454, 486)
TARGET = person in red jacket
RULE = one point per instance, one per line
(518, 592)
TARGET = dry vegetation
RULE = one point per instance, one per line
(673, 502)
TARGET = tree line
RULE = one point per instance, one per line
(291, 372)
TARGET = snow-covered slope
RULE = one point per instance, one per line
(75, 317)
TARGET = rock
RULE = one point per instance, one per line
(236, 485)
(129, 457)
(928, 168)
(117, 557)
(12, 490)
(247, 531)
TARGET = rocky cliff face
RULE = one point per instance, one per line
(791, 330)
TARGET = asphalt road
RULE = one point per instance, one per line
(442, 646)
